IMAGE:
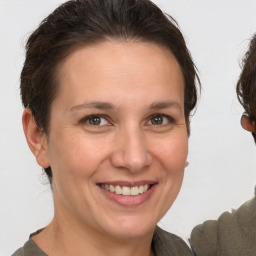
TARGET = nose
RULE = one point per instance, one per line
(130, 150)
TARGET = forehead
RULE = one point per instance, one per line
(121, 67)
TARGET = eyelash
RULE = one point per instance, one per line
(87, 118)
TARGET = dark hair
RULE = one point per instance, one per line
(246, 85)
(81, 22)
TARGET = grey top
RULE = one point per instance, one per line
(163, 244)
(233, 234)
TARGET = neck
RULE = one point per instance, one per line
(63, 237)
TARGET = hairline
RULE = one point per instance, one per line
(56, 80)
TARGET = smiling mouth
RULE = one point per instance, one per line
(126, 191)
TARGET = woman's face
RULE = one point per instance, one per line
(117, 144)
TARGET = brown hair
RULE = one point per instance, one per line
(81, 22)
(246, 85)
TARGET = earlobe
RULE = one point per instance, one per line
(36, 139)
(247, 124)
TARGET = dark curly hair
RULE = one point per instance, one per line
(246, 85)
(78, 23)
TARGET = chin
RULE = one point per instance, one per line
(129, 228)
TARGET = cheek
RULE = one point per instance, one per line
(76, 155)
(173, 152)
(172, 155)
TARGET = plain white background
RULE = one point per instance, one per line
(222, 167)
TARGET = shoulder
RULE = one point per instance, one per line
(19, 252)
(165, 244)
(29, 249)
(232, 234)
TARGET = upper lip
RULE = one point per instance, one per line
(129, 183)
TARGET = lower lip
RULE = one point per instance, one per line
(129, 201)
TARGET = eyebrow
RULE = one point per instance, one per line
(165, 104)
(106, 105)
(98, 105)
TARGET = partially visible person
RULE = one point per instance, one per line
(234, 234)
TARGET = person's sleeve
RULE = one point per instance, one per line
(232, 234)
(165, 244)
(204, 239)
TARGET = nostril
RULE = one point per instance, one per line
(131, 152)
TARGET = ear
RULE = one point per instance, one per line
(247, 124)
(36, 139)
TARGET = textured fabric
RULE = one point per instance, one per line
(166, 244)
(233, 234)
(163, 244)
(29, 249)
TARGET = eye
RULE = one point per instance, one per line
(160, 119)
(95, 120)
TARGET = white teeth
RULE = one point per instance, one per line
(134, 191)
(118, 190)
(126, 191)
(141, 189)
(112, 188)
(145, 188)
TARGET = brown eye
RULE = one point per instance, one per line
(157, 120)
(160, 119)
(97, 120)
